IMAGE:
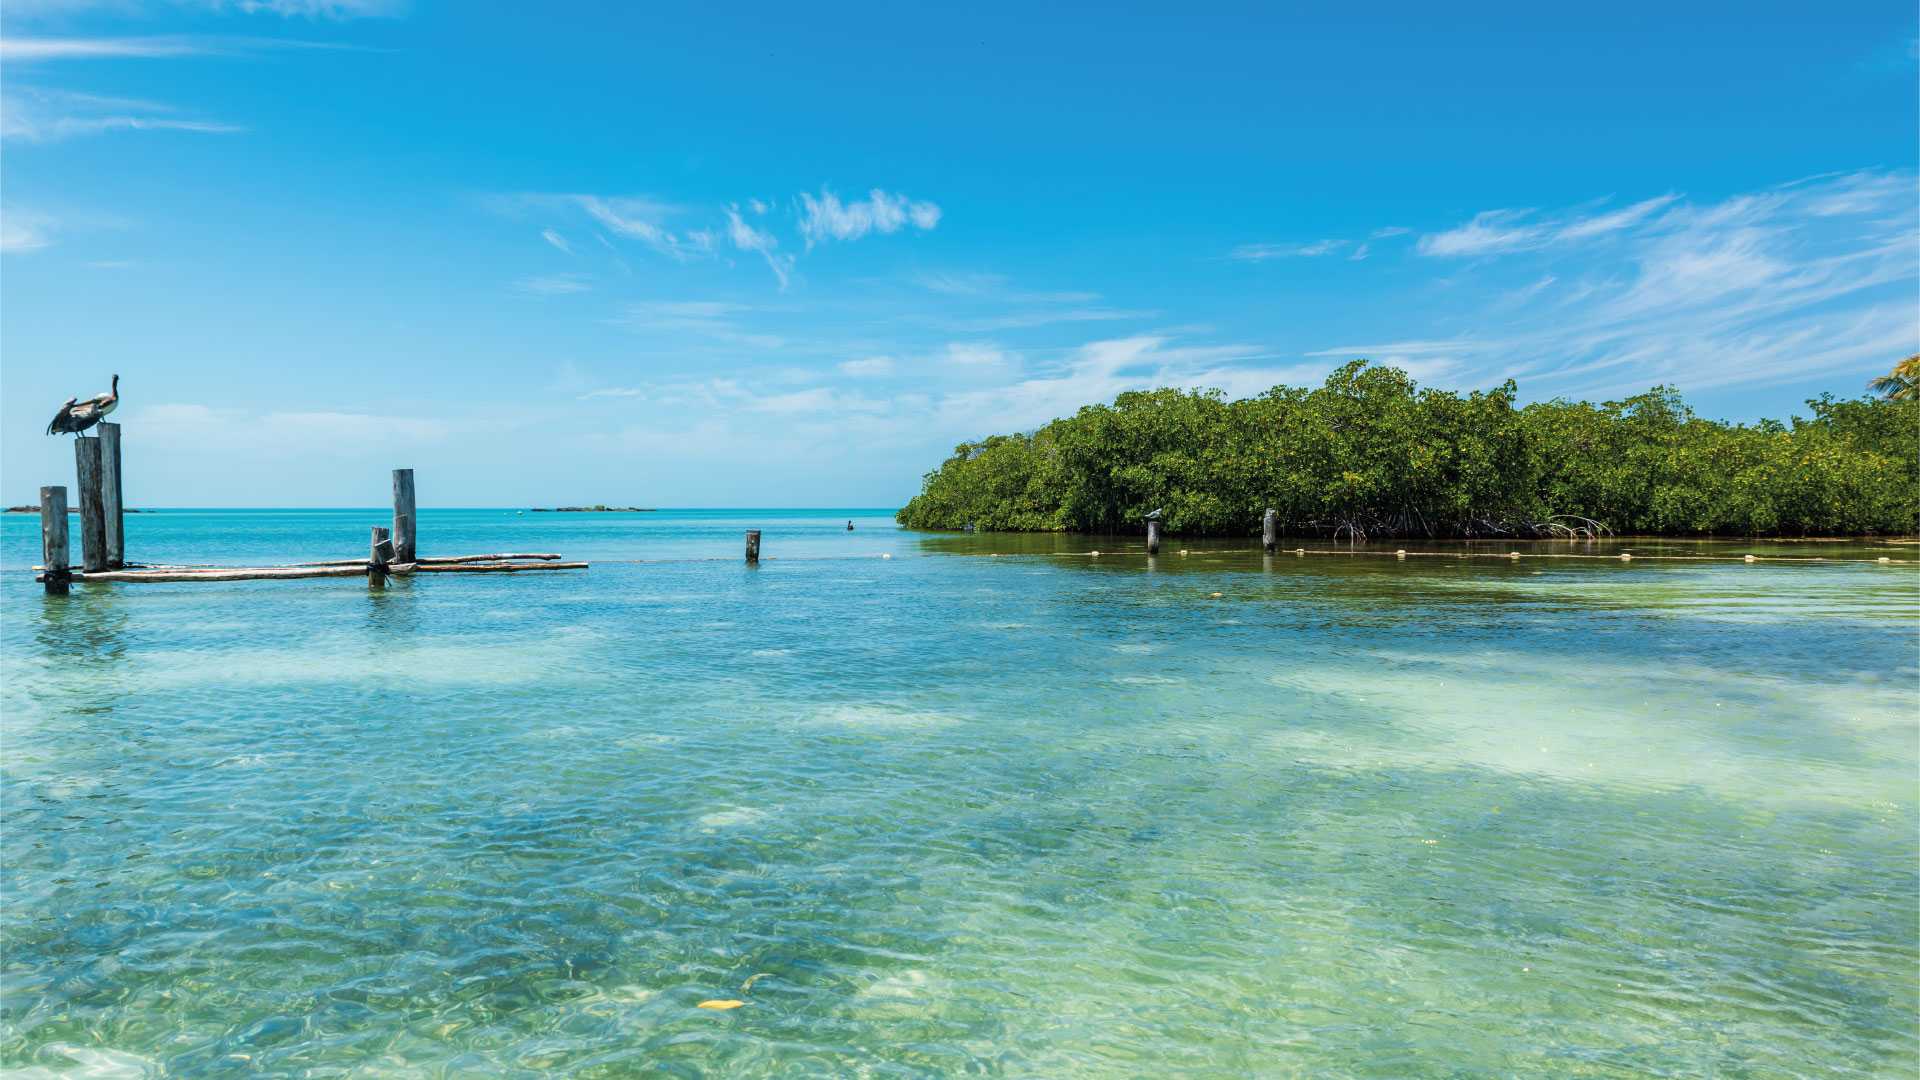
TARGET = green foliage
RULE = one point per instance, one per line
(1370, 454)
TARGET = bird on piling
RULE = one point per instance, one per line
(77, 416)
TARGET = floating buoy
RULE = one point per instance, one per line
(721, 1003)
(1882, 558)
(1299, 551)
(1513, 554)
(1216, 596)
(1749, 558)
(1183, 551)
(1095, 554)
(885, 555)
(1400, 554)
(1626, 556)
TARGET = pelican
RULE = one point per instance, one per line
(77, 416)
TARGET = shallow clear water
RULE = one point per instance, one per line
(1044, 814)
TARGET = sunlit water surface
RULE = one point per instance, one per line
(1044, 814)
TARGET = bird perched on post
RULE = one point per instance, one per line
(1155, 516)
(77, 416)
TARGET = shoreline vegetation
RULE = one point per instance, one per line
(1369, 454)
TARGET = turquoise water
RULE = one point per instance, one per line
(1045, 814)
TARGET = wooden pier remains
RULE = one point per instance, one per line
(1270, 531)
(1153, 536)
(390, 552)
(753, 546)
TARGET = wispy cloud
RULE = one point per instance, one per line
(826, 218)
(22, 231)
(1496, 231)
(33, 114)
(558, 241)
(1263, 252)
(29, 49)
(553, 284)
(710, 319)
(747, 238)
(1784, 284)
(643, 219)
(868, 366)
(309, 9)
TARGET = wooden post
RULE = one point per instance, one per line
(753, 546)
(379, 553)
(403, 516)
(1270, 532)
(1153, 537)
(93, 522)
(53, 539)
(111, 492)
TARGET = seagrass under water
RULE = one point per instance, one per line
(947, 813)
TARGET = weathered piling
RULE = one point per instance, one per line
(111, 493)
(1270, 532)
(379, 553)
(1153, 536)
(753, 546)
(93, 521)
(403, 516)
(53, 539)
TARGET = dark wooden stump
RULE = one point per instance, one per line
(1270, 532)
(1153, 537)
(110, 495)
(53, 539)
(93, 519)
(403, 516)
(753, 545)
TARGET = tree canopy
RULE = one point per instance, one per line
(1369, 453)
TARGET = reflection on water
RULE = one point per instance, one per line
(1041, 814)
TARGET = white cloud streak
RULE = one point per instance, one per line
(827, 218)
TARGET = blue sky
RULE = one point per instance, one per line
(563, 253)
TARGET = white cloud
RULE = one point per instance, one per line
(22, 232)
(553, 284)
(1263, 252)
(39, 115)
(29, 49)
(747, 238)
(1489, 231)
(281, 431)
(614, 392)
(641, 219)
(1787, 284)
(868, 365)
(826, 218)
(1495, 231)
(558, 241)
(710, 319)
(1388, 231)
(974, 354)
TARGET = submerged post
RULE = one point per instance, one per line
(1153, 536)
(379, 553)
(53, 539)
(93, 522)
(1269, 532)
(753, 545)
(110, 495)
(403, 516)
